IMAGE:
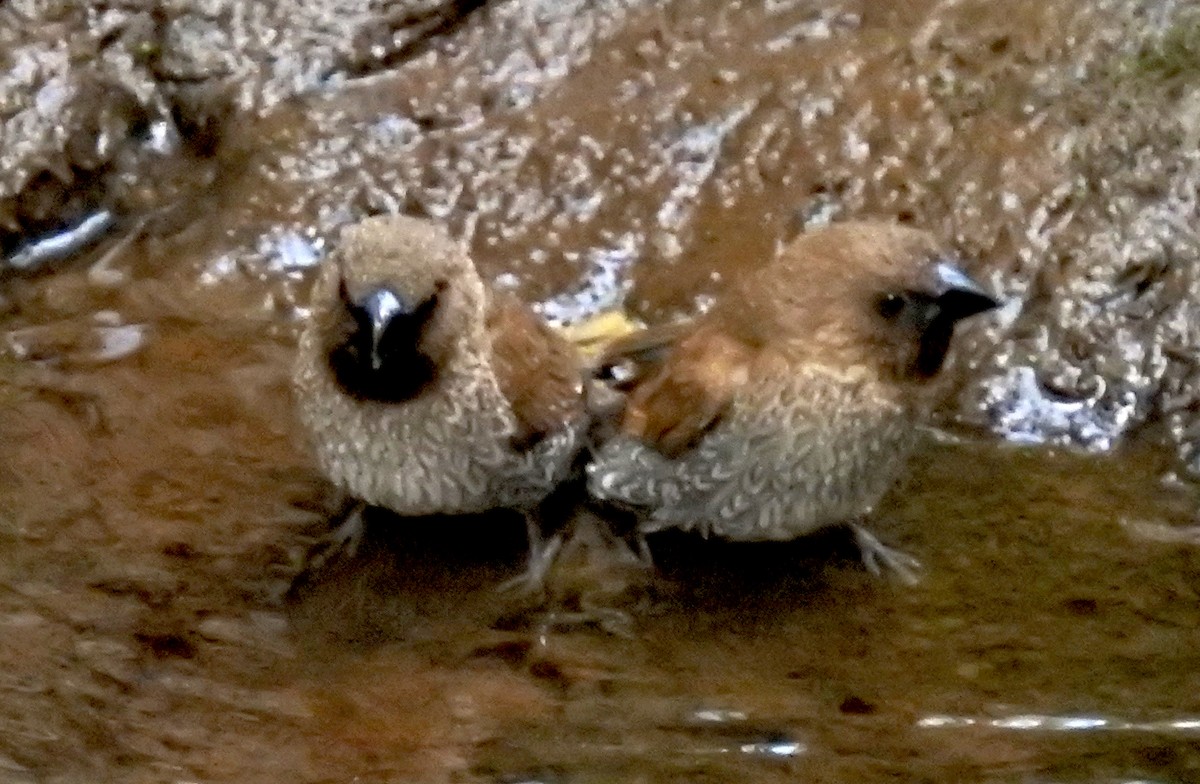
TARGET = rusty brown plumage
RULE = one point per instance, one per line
(538, 371)
(677, 405)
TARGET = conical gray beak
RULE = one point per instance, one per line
(957, 294)
(381, 306)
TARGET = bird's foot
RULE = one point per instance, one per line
(878, 557)
(343, 540)
(644, 556)
(611, 620)
(532, 581)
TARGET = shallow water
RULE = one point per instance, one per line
(157, 503)
(156, 500)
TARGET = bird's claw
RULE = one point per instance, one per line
(878, 558)
(343, 540)
(532, 581)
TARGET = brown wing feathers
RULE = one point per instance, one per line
(539, 372)
(690, 392)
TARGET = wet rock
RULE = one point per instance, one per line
(1106, 339)
(99, 104)
(1058, 154)
(269, 53)
(79, 117)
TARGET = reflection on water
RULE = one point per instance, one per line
(1066, 724)
(157, 503)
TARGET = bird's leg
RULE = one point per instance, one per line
(878, 557)
(643, 550)
(532, 581)
(345, 538)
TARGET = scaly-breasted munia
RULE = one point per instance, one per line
(792, 404)
(427, 393)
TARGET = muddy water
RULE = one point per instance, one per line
(157, 502)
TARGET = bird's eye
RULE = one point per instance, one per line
(890, 305)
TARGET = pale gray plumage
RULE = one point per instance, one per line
(450, 452)
(454, 447)
(772, 471)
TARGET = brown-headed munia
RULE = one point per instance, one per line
(793, 403)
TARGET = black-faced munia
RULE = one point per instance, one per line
(427, 393)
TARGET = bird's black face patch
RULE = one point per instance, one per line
(920, 318)
(380, 359)
(934, 345)
(925, 320)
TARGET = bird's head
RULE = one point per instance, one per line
(920, 310)
(874, 294)
(399, 297)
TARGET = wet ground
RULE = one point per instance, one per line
(156, 500)
(157, 504)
